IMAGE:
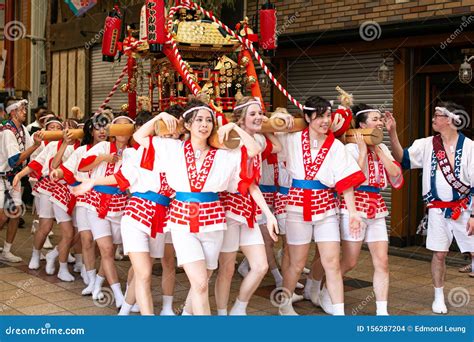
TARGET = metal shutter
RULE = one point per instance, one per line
(103, 77)
(355, 73)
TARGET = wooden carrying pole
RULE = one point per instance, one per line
(372, 136)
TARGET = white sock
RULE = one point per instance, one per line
(6, 247)
(167, 304)
(36, 253)
(90, 287)
(239, 308)
(221, 312)
(277, 276)
(125, 309)
(439, 294)
(307, 288)
(63, 272)
(381, 308)
(119, 298)
(338, 309)
(99, 281)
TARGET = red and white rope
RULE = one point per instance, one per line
(244, 41)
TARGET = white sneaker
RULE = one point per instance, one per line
(439, 307)
(325, 301)
(42, 256)
(306, 270)
(77, 268)
(47, 243)
(9, 257)
(135, 308)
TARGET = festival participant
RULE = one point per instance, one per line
(106, 204)
(319, 165)
(197, 218)
(379, 169)
(240, 207)
(143, 222)
(39, 169)
(94, 133)
(447, 160)
(17, 147)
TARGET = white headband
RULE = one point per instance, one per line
(190, 110)
(455, 117)
(123, 117)
(243, 105)
(368, 111)
(46, 117)
(16, 105)
(54, 121)
(313, 109)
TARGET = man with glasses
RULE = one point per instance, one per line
(447, 160)
(16, 147)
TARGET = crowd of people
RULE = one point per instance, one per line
(178, 198)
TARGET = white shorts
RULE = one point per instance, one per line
(299, 232)
(45, 207)
(190, 247)
(239, 234)
(110, 226)
(442, 230)
(136, 238)
(373, 230)
(79, 219)
(60, 214)
(281, 225)
(16, 195)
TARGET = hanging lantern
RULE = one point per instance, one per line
(112, 27)
(155, 23)
(268, 28)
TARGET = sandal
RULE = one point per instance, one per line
(466, 269)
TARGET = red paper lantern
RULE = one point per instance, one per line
(112, 28)
(268, 28)
(155, 23)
